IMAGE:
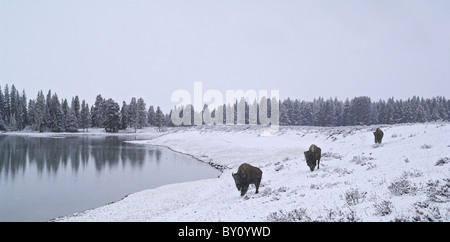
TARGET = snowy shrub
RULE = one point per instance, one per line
(394, 136)
(422, 212)
(266, 192)
(281, 189)
(342, 172)
(371, 166)
(402, 186)
(301, 215)
(383, 208)
(361, 160)
(296, 215)
(331, 155)
(406, 160)
(425, 146)
(314, 187)
(438, 192)
(354, 196)
(412, 173)
(279, 167)
(338, 215)
(442, 161)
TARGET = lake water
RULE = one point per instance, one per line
(47, 177)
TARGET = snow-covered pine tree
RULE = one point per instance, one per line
(124, 120)
(284, 116)
(306, 113)
(151, 116)
(3, 126)
(159, 118)
(76, 106)
(39, 113)
(346, 113)
(56, 115)
(98, 112)
(71, 121)
(390, 111)
(112, 116)
(23, 103)
(2, 99)
(141, 113)
(361, 110)
(65, 110)
(133, 114)
(295, 114)
(338, 107)
(420, 114)
(443, 112)
(84, 115)
(14, 96)
(6, 105)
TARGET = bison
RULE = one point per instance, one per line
(378, 136)
(246, 175)
(312, 155)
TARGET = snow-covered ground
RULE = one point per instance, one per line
(406, 178)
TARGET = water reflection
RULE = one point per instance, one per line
(50, 154)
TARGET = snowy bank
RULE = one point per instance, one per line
(406, 178)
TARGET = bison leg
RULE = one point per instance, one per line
(244, 190)
(318, 163)
(257, 185)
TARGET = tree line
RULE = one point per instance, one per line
(333, 112)
(49, 113)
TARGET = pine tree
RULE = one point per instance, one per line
(39, 113)
(112, 116)
(23, 103)
(71, 121)
(47, 117)
(56, 115)
(13, 102)
(98, 112)
(2, 99)
(124, 119)
(6, 105)
(76, 107)
(361, 110)
(346, 114)
(295, 114)
(420, 114)
(65, 111)
(141, 113)
(159, 118)
(151, 116)
(390, 111)
(84, 115)
(3, 126)
(284, 115)
(133, 114)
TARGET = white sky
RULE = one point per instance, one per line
(304, 49)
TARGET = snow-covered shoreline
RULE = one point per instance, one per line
(357, 180)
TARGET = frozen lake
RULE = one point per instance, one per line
(46, 177)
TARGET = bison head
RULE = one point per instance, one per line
(238, 179)
(310, 160)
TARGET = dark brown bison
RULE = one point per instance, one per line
(245, 176)
(312, 155)
(378, 136)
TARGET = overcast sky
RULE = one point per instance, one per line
(304, 49)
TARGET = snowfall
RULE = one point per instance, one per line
(406, 178)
